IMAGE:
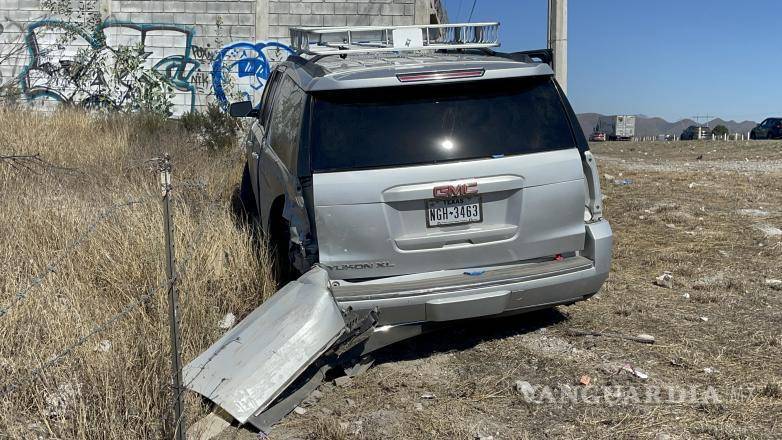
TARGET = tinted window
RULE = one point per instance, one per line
(285, 125)
(435, 123)
(266, 99)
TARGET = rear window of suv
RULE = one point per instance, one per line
(425, 124)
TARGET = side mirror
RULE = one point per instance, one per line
(243, 109)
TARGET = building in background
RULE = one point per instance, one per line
(207, 51)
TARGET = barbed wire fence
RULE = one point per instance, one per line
(174, 272)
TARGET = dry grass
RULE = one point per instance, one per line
(123, 392)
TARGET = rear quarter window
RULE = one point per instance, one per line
(285, 123)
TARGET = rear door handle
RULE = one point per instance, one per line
(255, 155)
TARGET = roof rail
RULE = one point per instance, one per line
(363, 39)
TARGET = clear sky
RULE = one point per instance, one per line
(667, 58)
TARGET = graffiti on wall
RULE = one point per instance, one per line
(11, 49)
(63, 63)
(66, 64)
(245, 67)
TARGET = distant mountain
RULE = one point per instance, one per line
(646, 126)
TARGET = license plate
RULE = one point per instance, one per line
(455, 211)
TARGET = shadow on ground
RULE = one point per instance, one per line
(464, 335)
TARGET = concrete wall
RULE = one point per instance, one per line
(208, 50)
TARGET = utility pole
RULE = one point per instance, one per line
(557, 39)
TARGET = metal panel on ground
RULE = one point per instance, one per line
(246, 369)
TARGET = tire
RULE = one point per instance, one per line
(246, 195)
(752, 135)
(280, 242)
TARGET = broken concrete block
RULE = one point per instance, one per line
(209, 427)
(524, 387)
(103, 346)
(664, 280)
(753, 212)
(768, 230)
(774, 283)
(343, 381)
(643, 337)
(300, 411)
(635, 372)
(227, 322)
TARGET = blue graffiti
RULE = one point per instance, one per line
(250, 62)
(57, 68)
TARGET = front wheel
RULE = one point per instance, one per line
(280, 243)
(752, 135)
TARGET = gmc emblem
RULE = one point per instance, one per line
(460, 190)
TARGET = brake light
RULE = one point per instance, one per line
(432, 76)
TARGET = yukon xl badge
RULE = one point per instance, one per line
(460, 190)
(362, 266)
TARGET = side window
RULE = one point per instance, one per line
(266, 99)
(285, 125)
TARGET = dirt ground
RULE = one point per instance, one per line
(708, 213)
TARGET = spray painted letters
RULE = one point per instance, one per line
(240, 70)
(69, 65)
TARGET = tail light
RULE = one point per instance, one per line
(432, 76)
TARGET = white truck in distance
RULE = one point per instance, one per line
(617, 127)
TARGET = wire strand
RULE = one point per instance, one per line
(474, 2)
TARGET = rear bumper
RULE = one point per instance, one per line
(451, 295)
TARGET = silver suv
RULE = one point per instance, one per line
(431, 185)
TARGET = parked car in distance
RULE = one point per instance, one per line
(771, 128)
(597, 137)
(695, 133)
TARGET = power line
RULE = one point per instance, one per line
(472, 10)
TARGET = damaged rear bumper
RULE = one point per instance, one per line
(452, 295)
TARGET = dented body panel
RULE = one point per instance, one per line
(246, 369)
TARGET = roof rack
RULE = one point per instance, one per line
(363, 39)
